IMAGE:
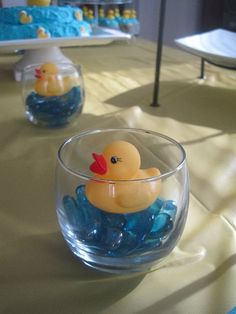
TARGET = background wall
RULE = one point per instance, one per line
(183, 17)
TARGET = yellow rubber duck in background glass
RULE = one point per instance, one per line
(40, 3)
(49, 82)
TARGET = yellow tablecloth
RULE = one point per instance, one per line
(38, 273)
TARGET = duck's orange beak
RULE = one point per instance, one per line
(99, 166)
(38, 73)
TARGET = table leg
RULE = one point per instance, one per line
(202, 71)
(155, 101)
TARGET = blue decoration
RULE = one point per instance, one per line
(118, 235)
(169, 208)
(57, 21)
(161, 225)
(232, 311)
(54, 111)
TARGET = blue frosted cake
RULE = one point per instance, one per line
(28, 22)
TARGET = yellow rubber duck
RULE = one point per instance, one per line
(101, 12)
(40, 3)
(25, 18)
(42, 33)
(50, 83)
(121, 161)
(78, 16)
(85, 11)
(126, 14)
(117, 13)
(133, 14)
(111, 15)
(90, 18)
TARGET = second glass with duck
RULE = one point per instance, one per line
(53, 93)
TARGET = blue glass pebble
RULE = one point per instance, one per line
(156, 206)
(169, 208)
(90, 233)
(161, 226)
(113, 220)
(80, 194)
(129, 244)
(91, 223)
(119, 235)
(139, 223)
(72, 212)
(111, 238)
(232, 311)
(54, 111)
(152, 243)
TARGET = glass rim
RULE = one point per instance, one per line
(84, 176)
(35, 65)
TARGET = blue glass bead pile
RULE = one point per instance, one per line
(54, 111)
(118, 235)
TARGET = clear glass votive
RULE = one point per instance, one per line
(121, 197)
(53, 93)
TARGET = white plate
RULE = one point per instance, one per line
(39, 50)
(217, 46)
(101, 36)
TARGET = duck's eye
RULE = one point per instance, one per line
(114, 159)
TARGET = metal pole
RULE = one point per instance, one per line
(155, 101)
(202, 71)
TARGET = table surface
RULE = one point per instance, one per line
(38, 273)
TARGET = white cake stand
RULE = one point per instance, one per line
(48, 50)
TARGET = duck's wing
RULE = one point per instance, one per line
(55, 86)
(139, 195)
(133, 195)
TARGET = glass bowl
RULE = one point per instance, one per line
(53, 93)
(121, 197)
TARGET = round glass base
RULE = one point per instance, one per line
(119, 265)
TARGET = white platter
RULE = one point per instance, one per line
(217, 46)
(40, 50)
(101, 36)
